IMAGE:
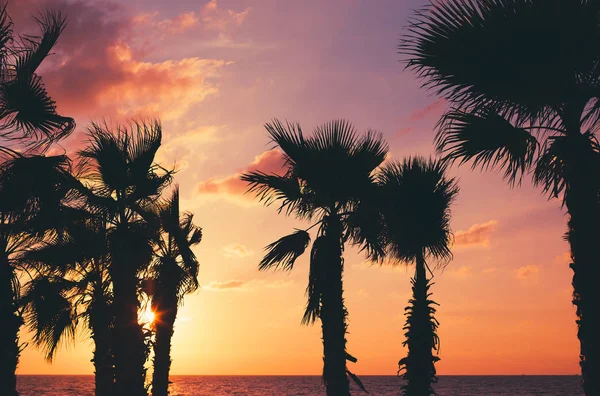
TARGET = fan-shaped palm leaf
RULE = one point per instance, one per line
(489, 140)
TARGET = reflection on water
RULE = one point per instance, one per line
(306, 385)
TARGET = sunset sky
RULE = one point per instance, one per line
(215, 72)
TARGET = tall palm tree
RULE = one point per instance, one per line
(416, 197)
(173, 275)
(31, 192)
(326, 174)
(73, 286)
(28, 117)
(124, 185)
(523, 81)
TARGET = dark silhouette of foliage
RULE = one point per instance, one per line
(124, 185)
(522, 78)
(326, 176)
(28, 115)
(415, 201)
(73, 287)
(173, 274)
(32, 192)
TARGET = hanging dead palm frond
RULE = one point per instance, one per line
(282, 254)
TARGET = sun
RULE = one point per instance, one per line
(147, 316)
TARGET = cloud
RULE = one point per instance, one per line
(462, 272)
(564, 258)
(98, 70)
(269, 162)
(236, 251)
(478, 235)
(527, 272)
(216, 18)
(241, 285)
(422, 113)
(178, 24)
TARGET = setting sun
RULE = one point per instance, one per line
(147, 316)
(294, 196)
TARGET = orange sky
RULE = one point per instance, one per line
(216, 71)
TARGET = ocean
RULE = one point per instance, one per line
(82, 385)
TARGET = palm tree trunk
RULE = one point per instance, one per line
(583, 237)
(333, 316)
(10, 323)
(166, 312)
(128, 340)
(421, 338)
(103, 360)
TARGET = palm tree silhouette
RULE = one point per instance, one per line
(326, 174)
(73, 285)
(28, 115)
(523, 78)
(174, 274)
(125, 185)
(31, 189)
(416, 197)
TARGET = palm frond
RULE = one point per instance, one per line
(316, 280)
(418, 196)
(552, 171)
(290, 139)
(6, 33)
(287, 190)
(282, 254)
(488, 140)
(142, 149)
(448, 45)
(50, 315)
(366, 226)
(37, 48)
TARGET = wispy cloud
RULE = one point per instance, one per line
(478, 235)
(246, 285)
(462, 272)
(232, 186)
(527, 272)
(428, 110)
(237, 250)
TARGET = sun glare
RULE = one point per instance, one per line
(147, 316)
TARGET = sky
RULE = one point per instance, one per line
(215, 72)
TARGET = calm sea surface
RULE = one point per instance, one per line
(42, 385)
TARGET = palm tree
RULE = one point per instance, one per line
(31, 190)
(416, 197)
(27, 114)
(73, 285)
(173, 275)
(124, 185)
(326, 174)
(523, 81)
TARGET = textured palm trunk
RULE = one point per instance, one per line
(419, 364)
(129, 350)
(333, 317)
(10, 323)
(583, 237)
(166, 312)
(103, 361)
(128, 340)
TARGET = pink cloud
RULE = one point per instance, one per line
(97, 71)
(527, 272)
(433, 108)
(462, 272)
(269, 162)
(478, 235)
(216, 18)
